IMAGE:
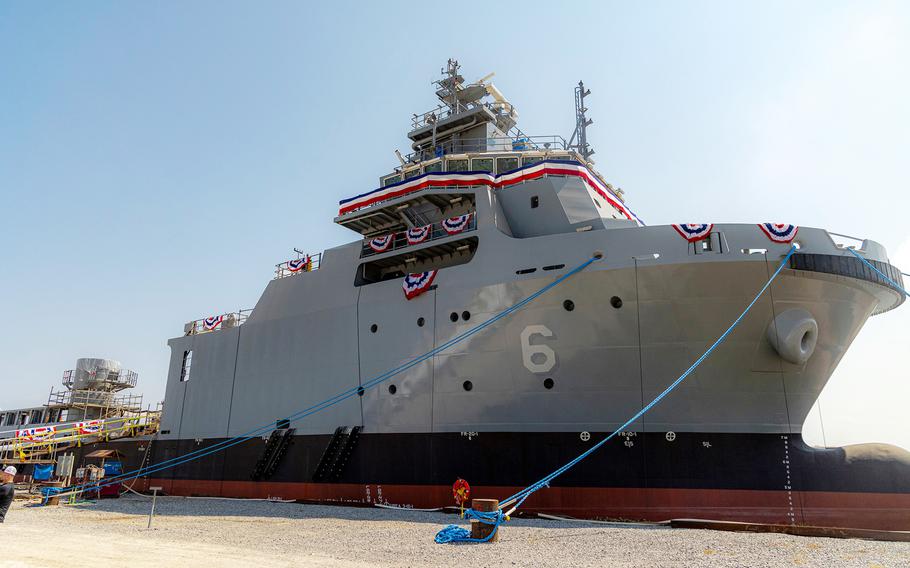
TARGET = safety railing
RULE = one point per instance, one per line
(124, 378)
(299, 265)
(29, 444)
(519, 143)
(213, 323)
(400, 239)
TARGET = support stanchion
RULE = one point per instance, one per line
(154, 498)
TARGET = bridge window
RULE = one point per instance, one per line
(482, 164)
(506, 164)
(390, 180)
(186, 365)
(456, 165)
(433, 166)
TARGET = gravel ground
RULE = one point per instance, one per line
(204, 532)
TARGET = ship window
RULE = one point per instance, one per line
(528, 160)
(482, 164)
(390, 180)
(186, 366)
(535, 202)
(412, 173)
(433, 167)
(456, 165)
(506, 164)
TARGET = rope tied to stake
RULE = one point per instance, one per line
(455, 533)
(449, 534)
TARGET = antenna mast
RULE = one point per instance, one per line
(581, 124)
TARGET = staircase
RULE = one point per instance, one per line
(275, 448)
(336, 454)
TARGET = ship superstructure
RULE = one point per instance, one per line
(476, 218)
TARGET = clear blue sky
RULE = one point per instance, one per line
(158, 158)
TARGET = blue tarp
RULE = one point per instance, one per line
(113, 468)
(43, 472)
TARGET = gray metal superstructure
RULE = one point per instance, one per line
(580, 359)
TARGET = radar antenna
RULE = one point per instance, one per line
(581, 124)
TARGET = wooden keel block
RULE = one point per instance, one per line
(483, 530)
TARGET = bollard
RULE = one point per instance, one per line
(154, 498)
(483, 530)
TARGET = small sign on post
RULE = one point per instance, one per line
(155, 491)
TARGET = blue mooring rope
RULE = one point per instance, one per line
(880, 273)
(449, 534)
(202, 452)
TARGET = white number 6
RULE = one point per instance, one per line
(537, 358)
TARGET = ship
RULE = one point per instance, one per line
(477, 217)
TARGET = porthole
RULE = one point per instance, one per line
(467, 385)
(420, 322)
(569, 305)
(466, 315)
(453, 317)
(374, 328)
(359, 391)
(548, 384)
(393, 389)
(616, 302)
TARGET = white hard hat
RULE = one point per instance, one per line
(9, 470)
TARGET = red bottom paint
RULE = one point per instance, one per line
(880, 511)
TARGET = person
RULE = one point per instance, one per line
(7, 489)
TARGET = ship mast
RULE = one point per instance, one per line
(581, 124)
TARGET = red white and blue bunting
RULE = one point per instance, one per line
(36, 434)
(418, 234)
(694, 232)
(211, 323)
(568, 168)
(779, 232)
(381, 244)
(416, 284)
(90, 427)
(299, 264)
(455, 225)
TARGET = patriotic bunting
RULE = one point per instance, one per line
(455, 225)
(416, 284)
(694, 232)
(779, 232)
(299, 264)
(36, 434)
(211, 323)
(568, 168)
(418, 234)
(90, 427)
(381, 244)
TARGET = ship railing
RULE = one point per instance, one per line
(214, 323)
(517, 143)
(294, 267)
(428, 118)
(400, 239)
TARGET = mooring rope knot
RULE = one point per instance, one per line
(455, 533)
